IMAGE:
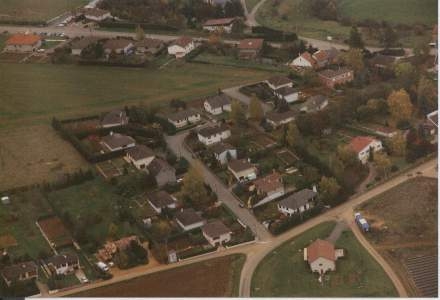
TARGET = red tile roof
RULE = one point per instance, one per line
(307, 56)
(320, 55)
(269, 183)
(23, 39)
(320, 248)
(251, 44)
(357, 144)
(217, 22)
(183, 41)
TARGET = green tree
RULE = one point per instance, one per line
(293, 136)
(160, 230)
(194, 187)
(355, 59)
(406, 74)
(237, 114)
(388, 37)
(426, 96)
(400, 106)
(397, 144)
(383, 164)
(328, 190)
(347, 156)
(139, 34)
(256, 111)
(355, 39)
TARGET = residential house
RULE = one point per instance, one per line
(268, 188)
(216, 233)
(110, 248)
(23, 43)
(333, 55)
(277, 82)
(115, 118)
(19, 272)
(288, 94)
(184, 117)
(160, 200)
(140, 156)
(224, 152)
(62, 264)
(116, 142)
(78, 45)
(277, 119)
(321, 256)
(189, 219)
(220, 25)
(363, 145)
(181, 47)
(331, 78)
(250, 48)
(319, 59)
(118, 46)
(96, 14)
(298, 202)
(149, 46)
(304, 60)
(314, 104)
(162, 172)
(213, 134)
(242, 169)
(217, 104)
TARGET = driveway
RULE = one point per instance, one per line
(176, 144)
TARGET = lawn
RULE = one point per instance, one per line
(92, 205)
(36, 10)
(292, 15)
(34, 93)
(395, 237)
(283, 272)
(17, 220)
(218, 277)
(251, 4)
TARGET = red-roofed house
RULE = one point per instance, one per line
(23, 43)
(321, 256)
(250, 48)
(219, 25)
(305, 60)
(181, 47)
(362, 145)
(269, 188)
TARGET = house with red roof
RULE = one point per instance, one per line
(304, 60)
(250, 48)
(181, 47)
(321, 256)
(23, 43)
(363, 145)
(219, 25)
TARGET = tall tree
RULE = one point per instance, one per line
(383, 164)
(426, 96)
(388, 37)
(355, 39)
(237, 114)
(293, 136)
(328, 190)
(194, 187)
(160, 230)
(255, 109)
(140, 34)
(400, 106)
(355, 59)
(397, 144)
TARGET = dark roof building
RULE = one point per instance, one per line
(219, 148)
(117, 117)
(182, 115)
(160, 199)
(189, 217)
(298, 199)
(140, 152)
(19, 272)
(212, 130)
(117, 141)
(218, 101)
(215, 229)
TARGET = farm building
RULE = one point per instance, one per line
(219, 25)
(23, 43)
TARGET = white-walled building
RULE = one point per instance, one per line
(160, 200)
(362, 145)
(298, 202)
(242, 170)
(216, 233)
(184, 117)
(321, 256)
(140, 156)
(213, 134)
(23, 43)
(217, 104)
(219, 25)
(189, 219)
(181, 47)
(223, 151)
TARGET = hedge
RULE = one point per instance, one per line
(133, 25)
(273, 35)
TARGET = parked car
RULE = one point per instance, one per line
(102, 266)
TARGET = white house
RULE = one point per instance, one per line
(116, 141)
(223, 152)
(184, 117)
(321, 256)
(217, 104)
(189, 219)
(362, 145)
(216, 233)
(277, 119)
(160, 200)
(268, 188)
(277, 82)
(305, 60)
(287, 94)
(213, 134)
(242, 170)
(62, 264)
(96, 14)
(219, 25)
(140, 156)
(298, 202)
(181, 47)
(23, 43)
(115, 118)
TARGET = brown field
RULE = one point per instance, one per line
(33, 155)
(55, 231)
(404, 224)
(213, 278)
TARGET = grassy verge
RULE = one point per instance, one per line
(283, 272)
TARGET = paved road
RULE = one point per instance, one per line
(176, 144)
(251, 16)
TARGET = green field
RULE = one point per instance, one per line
(36, 10)
(283, 272)
(293, 15)
(34, 93)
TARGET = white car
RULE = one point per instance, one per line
(83, 279)
(102, 266)
(40, 50)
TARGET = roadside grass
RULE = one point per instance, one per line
(292, 15)
(284, 273)
(18, 220)
(94, 205)
(34, 93)
(31, 10)
(219, 277)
